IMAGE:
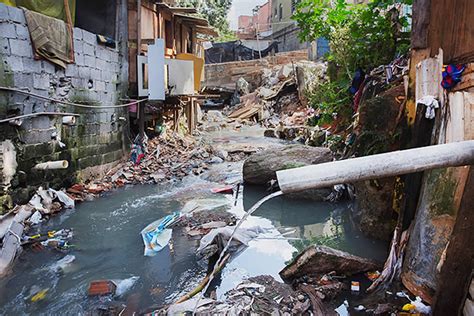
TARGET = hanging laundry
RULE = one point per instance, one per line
(452, 75)
(431, 104)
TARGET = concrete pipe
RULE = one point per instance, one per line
(376, 166)
(69, 120)
(49, 165)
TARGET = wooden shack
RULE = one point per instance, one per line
(439, 262)
(183, 32)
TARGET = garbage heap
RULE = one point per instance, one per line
(280, 98)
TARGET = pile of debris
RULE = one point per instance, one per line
(260, 295)
(280, 99)
(168, 157)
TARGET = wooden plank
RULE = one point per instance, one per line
(451, 29)
(421, 20)
(454, 278)
(455, 119)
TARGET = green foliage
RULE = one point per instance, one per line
(330, 98)
(215, 11)
(362, 35)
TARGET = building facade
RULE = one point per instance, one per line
(259, 23)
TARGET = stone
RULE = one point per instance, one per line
(89, 37)
(7, 30)
(21, 48)
(88, 49)
(22, 32)
(16, 15)
(3, 12)
(77, 33)
(374, 214)
(320, 260)
(89, 61)
(269, 133)
(261, 167)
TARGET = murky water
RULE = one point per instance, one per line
(108, 245)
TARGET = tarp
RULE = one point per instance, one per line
(235, 51)
(52, 8)
(51, 37)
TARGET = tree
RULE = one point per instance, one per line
(215, 11)
(360, 35)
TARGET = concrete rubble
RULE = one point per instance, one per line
(321, 260)
(279, 99)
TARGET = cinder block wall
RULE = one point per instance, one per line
(97, 138)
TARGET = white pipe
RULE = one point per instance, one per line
(69, 120)
(60, 164)
(376, 166)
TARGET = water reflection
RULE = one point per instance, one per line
(108, 246)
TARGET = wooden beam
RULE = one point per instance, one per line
(455, 276)
(376, 166)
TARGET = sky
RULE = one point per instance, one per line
(241, 7)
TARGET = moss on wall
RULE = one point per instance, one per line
(442, 187)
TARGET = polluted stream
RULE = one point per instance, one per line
(108, 245)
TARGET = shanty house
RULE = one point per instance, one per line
(181, 32)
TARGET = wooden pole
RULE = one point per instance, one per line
(455, 276)
(376, 166)
(141, 106)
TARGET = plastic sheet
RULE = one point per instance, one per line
(156, 236)
(235, 51)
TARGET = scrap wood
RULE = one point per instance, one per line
(203, 283)
(247, 111)
(276, 92)
(317, 305)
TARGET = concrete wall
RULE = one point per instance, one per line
(288, 40)
(96, 139)
(281, 18)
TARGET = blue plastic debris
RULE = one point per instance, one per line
(156, 235)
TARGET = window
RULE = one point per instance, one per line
(294, 4)
(276, 13)
(280, 13)
(96, 16)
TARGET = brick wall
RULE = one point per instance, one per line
(96, 139)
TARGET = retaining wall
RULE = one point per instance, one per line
(96, 139)
(225, 75)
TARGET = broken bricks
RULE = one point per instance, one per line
(101, 287)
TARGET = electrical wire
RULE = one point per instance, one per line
(71, 103)
(36, 114)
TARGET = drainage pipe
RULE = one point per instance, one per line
(60, 164)
(376, 166)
